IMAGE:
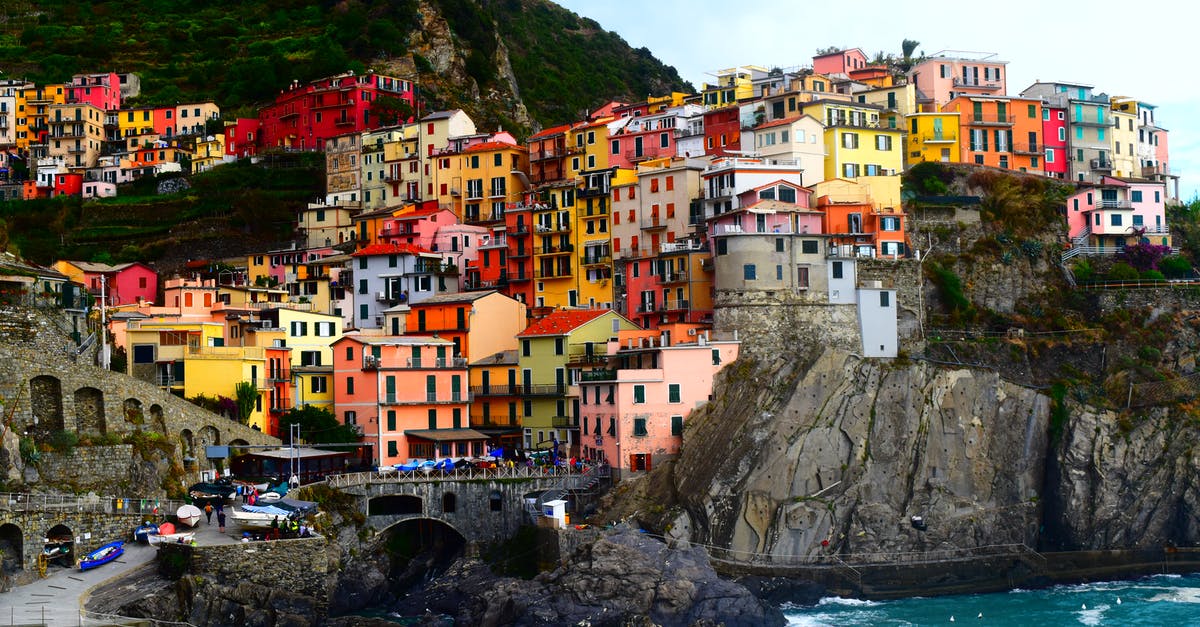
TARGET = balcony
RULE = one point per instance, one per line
(595, 260)
(719, 193)
(397, 231)
(430, 398)
(1114, 204)
(1158, 170)
(1097, 123)
(636, 155)
(851, 122)
(973, 84)
(674, 277)
(1101, 164)
(520, 277)
(370, 362)
(676, 305)
(991, 120)
(319, 104)
(496, 242)
(1027, 149)
(559, 273)
(520, 229)
(654, 223)
(941, 138)
(646, 308)
(593, 192)
(553, 227)
(417, 363)
(555, 250)
(588, 376)
(563, 422)
(519, 253)
(497, 192)
(580, 356)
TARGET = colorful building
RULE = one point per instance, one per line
(855, 142)
(304, 117)
(555, 351)
(496, 398)
(102, 90)
(1118, 212)
(123, 284)
(477, 323)
(932, 137)
(1000, 131)
(863, 218)
(408, 396)
(947, 74)
(633, 412)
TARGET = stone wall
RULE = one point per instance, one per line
(90, 530)
(45, 393)
(302, 566)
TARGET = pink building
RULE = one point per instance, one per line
(947, 74)
(100, 90)
(840, 62)
(633, 414)
(124, 283)
(408, 396)
(1118, 212)
(418, 227)
(1054, 136)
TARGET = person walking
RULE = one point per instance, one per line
(208, 510)
(221, 520)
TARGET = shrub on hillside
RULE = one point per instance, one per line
(1175, 267)
(1122, 272)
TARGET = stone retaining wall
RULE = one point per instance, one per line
(300, 566)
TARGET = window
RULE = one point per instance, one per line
(890, 223)
(885, 299)
(778, 244)
(391, 420)
(748, 272)
(673, 394)
(524, 348)
(1135, 195)
(639, 427)
(349, 385)
(318, 385)
(849, 140)
(1115, 219)
(836, 268)
(639, 394)
(676, 426)
(883, 142)
(716, 356)
(559, 346)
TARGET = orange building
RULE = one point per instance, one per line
(408, 396)
(478, 323)
(999, 131)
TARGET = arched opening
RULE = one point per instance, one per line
(158, 419)
(132, 409)
(12, 547)
(59, 547)
(209, 436)
(449, 503)
(419, 550)
(496, 501)
(187, 443)
(45, 402)
(89, 411)
(394, 505)
(238, 447)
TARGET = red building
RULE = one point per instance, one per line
(241, 137)
(1054, 138)
(102, 91)
(304, 116)
(68, 184)
(722, 131)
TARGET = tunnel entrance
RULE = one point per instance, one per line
(420, 550)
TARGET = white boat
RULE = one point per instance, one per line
(189, 515)
(261, 516)
(172, 538)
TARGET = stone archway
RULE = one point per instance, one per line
(395, 505)
(134, 414)
(157, 419)
(45, 403)
(62, 535)
(418, 547)
(12, 546)
(209, 436)
(89, 411)
(187, 443)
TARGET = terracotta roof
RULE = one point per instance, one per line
(561, 322)
(492, 146)
(554, 130)
(780, 122)
(391, 249)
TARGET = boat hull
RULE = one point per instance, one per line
(102, 555)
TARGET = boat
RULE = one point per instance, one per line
(188, 515)
(262, 516)
(145, 531)
(213, 490)
(57, 548)
(102, 555)
(185, 537)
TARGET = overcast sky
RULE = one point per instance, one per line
(1121, 48)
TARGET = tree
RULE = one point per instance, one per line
(391, 111)
(1144, 255)
(317, 426)
(246, 393)
(908, 47)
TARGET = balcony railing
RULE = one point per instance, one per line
(554, 250)
(588, 376)
(518, 390)
(646, 308)
(559, 273)
(437, 362)
(1114, 204)
(676, 305)
(654, 223)
(563, 422)
(941, 138)
(429, 398)
(667, 248)
(596, 260)
(992, 120)
(959, 82)
(674, 277)
(553, 227)
(1027, 149)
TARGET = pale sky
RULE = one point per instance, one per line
(1120, 48)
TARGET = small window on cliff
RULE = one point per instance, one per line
(449, 503)
(496, 501)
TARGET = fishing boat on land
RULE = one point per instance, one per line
(143, 532)
(188, 515)
(102, 555)
(213, 490)
(262, 516)
(167, 535)
(57, 548)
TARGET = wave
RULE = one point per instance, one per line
(1092, 616)
(1178, 595)
(847, 601)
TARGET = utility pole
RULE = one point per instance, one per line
(104, 353)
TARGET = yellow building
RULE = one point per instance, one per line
(136, 127)
(1125, 139)
(76, 134)
(898, 102)
(488, 180)
(310, 336)
(496, 400)
(555, 353)
(932, 137)
(209, 153)
(33, 111)
(855, 142)
(733, 86)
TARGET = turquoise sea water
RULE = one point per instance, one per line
(1166, 600)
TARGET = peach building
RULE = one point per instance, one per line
(632, 414)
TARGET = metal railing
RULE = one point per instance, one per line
(24, 502)
(391, 475)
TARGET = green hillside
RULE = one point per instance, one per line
(241, 54)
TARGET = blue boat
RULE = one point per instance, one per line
(143, 533)
(102, 555)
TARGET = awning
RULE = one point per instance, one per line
(445, 435)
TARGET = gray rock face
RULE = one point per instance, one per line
(841, 458)
(626, 578)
